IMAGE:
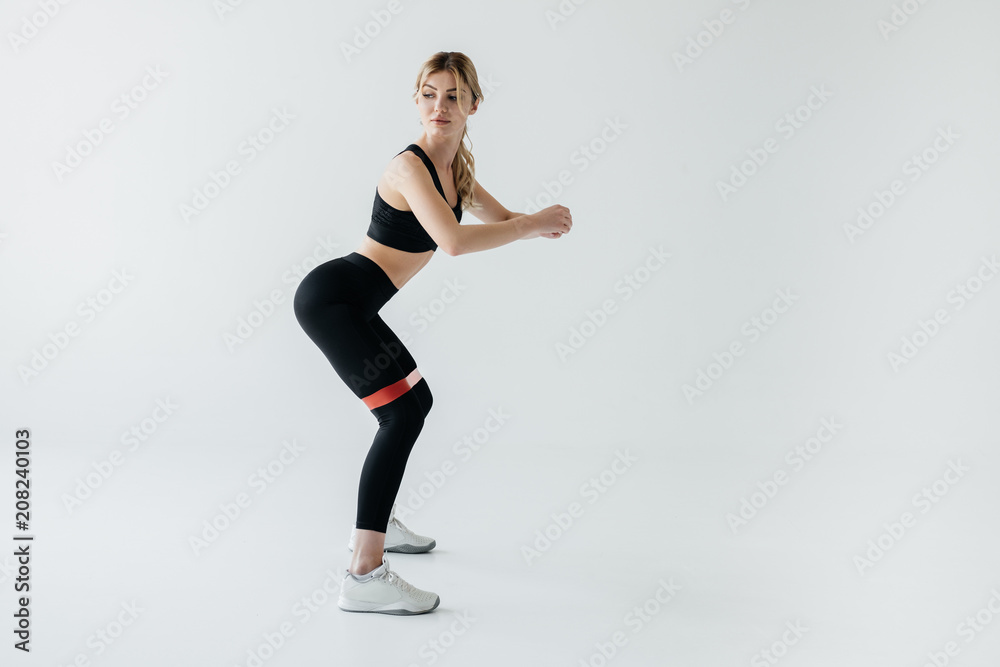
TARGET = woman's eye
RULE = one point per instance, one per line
(450, 97)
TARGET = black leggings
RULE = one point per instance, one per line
(337, 305)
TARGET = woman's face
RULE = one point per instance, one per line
(438, 99)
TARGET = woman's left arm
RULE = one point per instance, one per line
(494, 211)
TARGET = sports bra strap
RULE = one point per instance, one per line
(419, 152)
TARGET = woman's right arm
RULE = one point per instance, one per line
(438, 220)
(476, 238)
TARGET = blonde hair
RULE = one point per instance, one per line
(464, 165)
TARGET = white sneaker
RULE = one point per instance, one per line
(384, 592)
(399, 538)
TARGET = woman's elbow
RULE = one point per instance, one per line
(451, 245)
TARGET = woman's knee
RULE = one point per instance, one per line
(423, 393)
(404, 415)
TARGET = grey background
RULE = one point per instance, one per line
(552, 87)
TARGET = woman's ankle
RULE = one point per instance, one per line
(362, 571)
(364, 566)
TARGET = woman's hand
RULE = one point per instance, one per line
(553, 222)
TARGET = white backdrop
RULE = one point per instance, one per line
(745, 413)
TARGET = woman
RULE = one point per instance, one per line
(337, 305)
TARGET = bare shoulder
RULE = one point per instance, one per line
(404, 165)
(397, 172)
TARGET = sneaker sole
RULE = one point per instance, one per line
(392, 612)
(405, 548)
(412, 548)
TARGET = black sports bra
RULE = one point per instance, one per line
(401, 229)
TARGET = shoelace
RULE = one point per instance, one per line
(392, 578)
(401, 528)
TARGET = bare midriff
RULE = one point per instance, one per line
(399, 265)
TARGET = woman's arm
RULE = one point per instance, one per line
(413, 181)
(492, 210)
(495, 214)
(434, 214)
(475, 238)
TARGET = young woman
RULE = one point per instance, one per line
(418, 207)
